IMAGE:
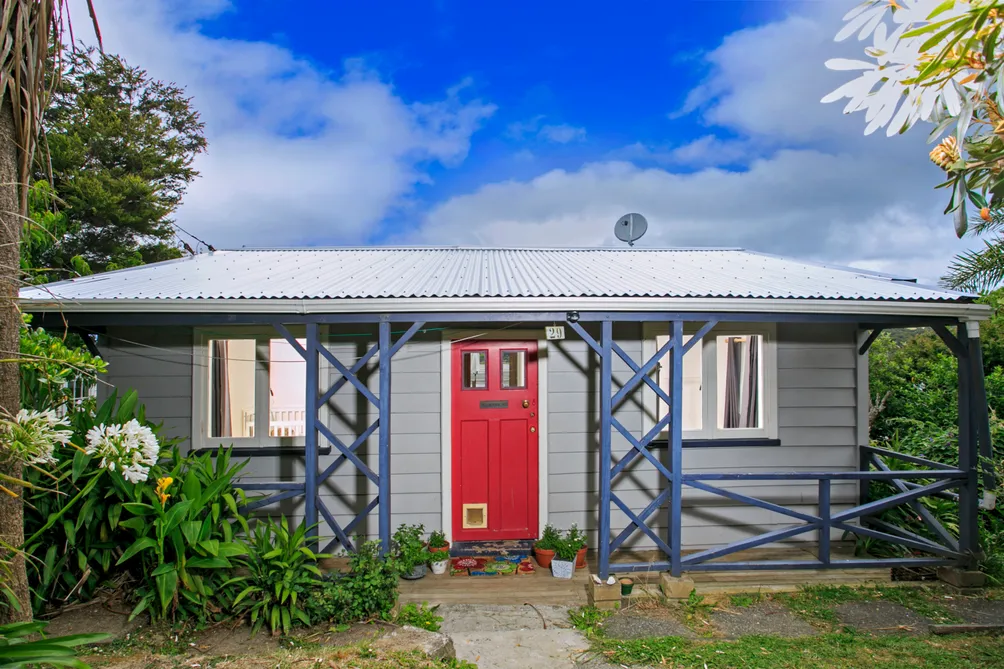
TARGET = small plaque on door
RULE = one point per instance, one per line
(495, 404)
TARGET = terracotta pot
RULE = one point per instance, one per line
(580, 558)
(543, 557)
(444, 549)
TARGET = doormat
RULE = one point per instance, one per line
(482, 566)
(482, 548)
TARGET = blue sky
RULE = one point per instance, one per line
(536, 124)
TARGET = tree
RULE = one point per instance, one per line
(121, 147)
(27, 28)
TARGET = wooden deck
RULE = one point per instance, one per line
(542, 588)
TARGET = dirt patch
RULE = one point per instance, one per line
(95, 618)
(765, 618)
(230, 640)
(644, 623)
(881, 618)
(977, 611)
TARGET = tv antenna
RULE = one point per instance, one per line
(630, 228)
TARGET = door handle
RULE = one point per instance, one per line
(526, 404)
(533, 429)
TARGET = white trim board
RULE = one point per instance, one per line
(446, 415)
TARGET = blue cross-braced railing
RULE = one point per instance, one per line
(638, 521)
(312, 351)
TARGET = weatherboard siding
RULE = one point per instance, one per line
(817, 427)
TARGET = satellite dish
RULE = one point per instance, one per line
(630, 228)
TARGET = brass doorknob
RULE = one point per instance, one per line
(533, 429)
(526, 404)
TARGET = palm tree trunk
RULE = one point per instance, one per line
(11, 509)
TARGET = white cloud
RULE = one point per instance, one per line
(561, 133)
(297, 153)
(811, 184)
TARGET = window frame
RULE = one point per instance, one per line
(709, 390)
(201, 411)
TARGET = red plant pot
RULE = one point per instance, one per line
(543, 557)
(443, 549)
(580, 558)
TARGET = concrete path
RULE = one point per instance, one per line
(513, 637)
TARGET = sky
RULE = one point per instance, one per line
(535, 124)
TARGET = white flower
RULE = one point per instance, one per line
(131, 448)
(31, 437)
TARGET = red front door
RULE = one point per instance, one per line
(495, 419)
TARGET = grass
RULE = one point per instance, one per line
(588, 620)
(842, 649)
(744, 600)
(697, 614)
(818, 603)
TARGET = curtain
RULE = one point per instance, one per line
(733, 370)
(220, 389)
(751, 389)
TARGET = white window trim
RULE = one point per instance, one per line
(709, 368)
(200, 389)
(446, 415)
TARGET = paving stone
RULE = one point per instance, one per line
(434, 645)
(977, 611)
(881, 618)
(473, 618)
(765, 618)
(634, 625)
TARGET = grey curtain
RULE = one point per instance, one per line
(220, 390)
(752, 384)
(733, 370)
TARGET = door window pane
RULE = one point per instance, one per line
(287, 390)
(693, 408)
(231, 387)
(475, 365)
(513, 369)
(739, 381)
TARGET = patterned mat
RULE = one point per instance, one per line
(492, 565)
(481, 548)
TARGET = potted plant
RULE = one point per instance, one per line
(411, 552)
(439, 560)
(438, 543)
(577, 538)
(563, 564)
(543, 550)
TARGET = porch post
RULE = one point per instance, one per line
(969, 541)
(384, 460)
(981, 413)
(676, 450)
(310, 442)
(606, 458)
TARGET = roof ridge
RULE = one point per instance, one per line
(419, 247)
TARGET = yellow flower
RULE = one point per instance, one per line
(946, 154)
(162, 486)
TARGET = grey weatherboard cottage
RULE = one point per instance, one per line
(700, 402)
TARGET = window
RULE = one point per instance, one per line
(475, 370)
(728, 383)
(250, 390)
(513, 370)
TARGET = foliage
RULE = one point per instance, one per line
(368, 591)
(439, 556)
(576, 537)
(588, 620)
(980, 269)
(282, 570)
(409, 547)
(817, 603)
(549, 538)
(184, 544)
(743, 600)
(438, 540)
(121, 148)
(940, 62)
(52, 368)
(72, 522)
(20, 647)
(420, 615)
(44, 226)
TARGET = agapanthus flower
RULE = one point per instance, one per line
(130, 448)
(31, 436)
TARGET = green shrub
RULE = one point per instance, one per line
(438, 540)
(21, 647)
(368, 591)
(71, 558)
(419, 616)
(409, 547)
(282, 571)
(184, 541)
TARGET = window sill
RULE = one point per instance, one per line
(263, 451)
(719, 443)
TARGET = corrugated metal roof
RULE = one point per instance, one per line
(421, 272)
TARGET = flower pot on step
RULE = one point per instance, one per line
(440, 549)
(440, 567)
(543, 557)
(562, 568)
(417, 572)
(580, 558)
